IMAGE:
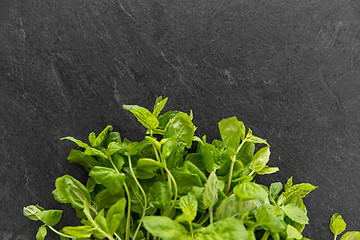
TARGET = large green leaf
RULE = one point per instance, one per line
(165, 228)
(159, 194)
(250, 191)
(115, 215)
(232, 131)
(79, 231)
(229, 229)
(182, 128)
(144, 116)
(111, 179)
(50, 217)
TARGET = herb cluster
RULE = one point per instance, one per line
(175, 185)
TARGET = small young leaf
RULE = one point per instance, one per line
(337, 224)
(268, 170)
(188, 205)
(165, 228)
(288, 184)
(31, 211)
(295, 213)
(41, 233)
(210, 194)
(144, 116)
(102, 136)
(159, 105)
(260, 159)
(253, 139)
(232, 131)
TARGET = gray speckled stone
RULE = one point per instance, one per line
(289, 69)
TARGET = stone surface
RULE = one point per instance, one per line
(288, 69)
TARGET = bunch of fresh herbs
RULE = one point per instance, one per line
(175, 185)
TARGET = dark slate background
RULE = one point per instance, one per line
(288, 69)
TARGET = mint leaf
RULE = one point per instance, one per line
(144, 116)
(41, 233)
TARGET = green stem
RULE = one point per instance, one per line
(204, 218)
(335, 237)
(266, 235)
(57, 232)
(233, 159)
(117, 236)
(175, 188)
(158, 159)
(127, 232)
(191, 230)
(144, 194)
(211, 215)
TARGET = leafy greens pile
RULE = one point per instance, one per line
(175, 185)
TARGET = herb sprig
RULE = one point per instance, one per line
(175, 185)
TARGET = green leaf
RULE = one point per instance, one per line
(70, 190)
(275, 189)
(165, 228)
(31, 211)
(207, 157)
(232, 131)
(229, 208)
(295, 213)
(111, 179)
(195, 170)
(95, 152)
(353, 235)
(41, 233)
(144, 116)
(246, 152)
(288, 184)
(253, 139)
(182, 128)
(293, 233)
(112, 137)
(148, 164)
(260, 159)
(159, 194)
(105, 199)
(114, 147)
(337, 224)
(165, 118)
(250, 191)
(188, 205)
(78, 142)
(79, 231)
(185, 179)
(88, 162)
(101, 225)
(301, 189)
(50, 217)
(115, 215)
(229, 229)
(266, 218)
(102, 136)
(268, 170)
(159, 105)
(210, 194)
(92, 138)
